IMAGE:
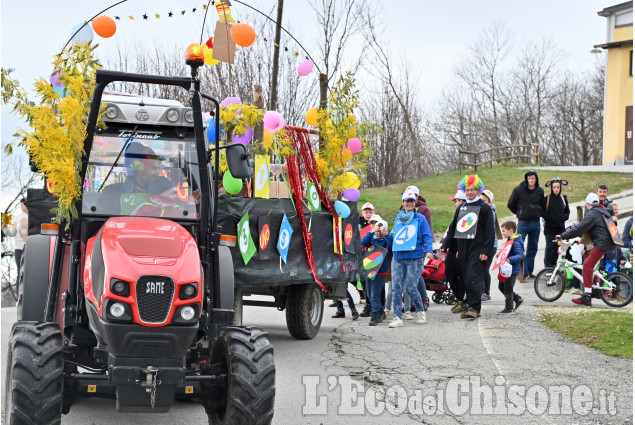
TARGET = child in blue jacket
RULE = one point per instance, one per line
(512, 299)
(379, 236)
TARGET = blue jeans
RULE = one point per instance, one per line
(349, 299)
(530, 231)
(406, 273)
(421, 287)
(374, 292)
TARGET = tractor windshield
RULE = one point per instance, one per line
(149, 172)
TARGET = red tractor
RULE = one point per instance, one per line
(134, 302)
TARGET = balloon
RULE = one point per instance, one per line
(305, 67)
(243, 34)
(350, 180)
(230, 101)
(232, 185)
(354, 145)
(273, 121)
(267, 136)
(104, 26)
(351, 194)
(244, 139)
(311, 116)
(207, 54)
(84, 36)
(211, 130)
(342, 209)
(54, 79)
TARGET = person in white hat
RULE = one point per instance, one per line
(593, 222)
(412, 242)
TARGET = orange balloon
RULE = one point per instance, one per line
(243, 34)
(104, 26)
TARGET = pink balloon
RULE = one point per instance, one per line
(351, 194)
(230, 101)
(354, 145)
(244, 139)
(305, 67)
(273, 121)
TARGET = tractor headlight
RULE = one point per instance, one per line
(118, 310)
(189, 116)
(112, 112)
(188, 291)
(172, 115)
(119, 287)
(187, 313)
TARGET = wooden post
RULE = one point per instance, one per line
(276, 55)
(259, 102)
(323, 96)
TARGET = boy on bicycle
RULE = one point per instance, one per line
(594, 223)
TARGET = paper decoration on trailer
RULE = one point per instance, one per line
(224, 45)
(262, 176)
(349, 225)
(264, 238)
(224, 11)
(284, 238)
(466, 222)
(245, 242)
(373, 259)
(502, 257)
(337, 235)
(313, 197)
(364, 230)
(405, 236)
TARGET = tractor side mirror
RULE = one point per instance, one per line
(238, 160)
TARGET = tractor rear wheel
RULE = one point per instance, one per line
(304, 310)
(246, 355)
(34, 380)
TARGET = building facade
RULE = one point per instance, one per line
(618, 93)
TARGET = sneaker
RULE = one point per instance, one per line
(373, 321)
(407, 315)
(339, 314)
(518, 303)
(382, 317)
(421, 318)
(366, 311)
(506, 311)
(462, 309)
(333, 304)
(396, 323)
(470, 314)
(355, 314)
(456, 306)
(485, 297)
(426, 304)
(388, 314)
(583, 301)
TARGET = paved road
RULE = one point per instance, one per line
(520, 359)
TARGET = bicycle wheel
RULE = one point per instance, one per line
(622, 293)
(549, 286)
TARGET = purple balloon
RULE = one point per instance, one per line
(244, 139)
(230, 101)
(54, 79)
(305, 67)
(354, 145)
(351, 194)
(273, 121)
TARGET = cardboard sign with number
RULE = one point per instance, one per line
(502, 257)
(264, 238)
(405, 236)
(284, 238)
(245, 242)
(262, 176)
(313, 197)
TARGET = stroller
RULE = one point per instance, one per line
(434, 276)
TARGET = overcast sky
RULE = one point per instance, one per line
(431, 35)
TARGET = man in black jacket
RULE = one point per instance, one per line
(525, 202)
(555, 212)
(472, 237)
(595, 223)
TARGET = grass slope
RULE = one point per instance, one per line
(609, 331)
(501, 180)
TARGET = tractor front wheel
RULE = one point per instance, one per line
(34, 381)
(246, 356)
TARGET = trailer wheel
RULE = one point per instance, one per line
(305, 309)
(246, 355)
(34, 379)
(34, 278)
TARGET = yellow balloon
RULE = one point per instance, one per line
(351, 180)
(311, 117)
(209, 60)
(267, 137)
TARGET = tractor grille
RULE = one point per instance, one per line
(154, 298)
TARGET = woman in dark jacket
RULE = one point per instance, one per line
(555, 212)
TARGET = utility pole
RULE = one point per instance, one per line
(273, 99)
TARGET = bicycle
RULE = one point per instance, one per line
(615, 289)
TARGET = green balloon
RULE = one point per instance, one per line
(232, 185)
